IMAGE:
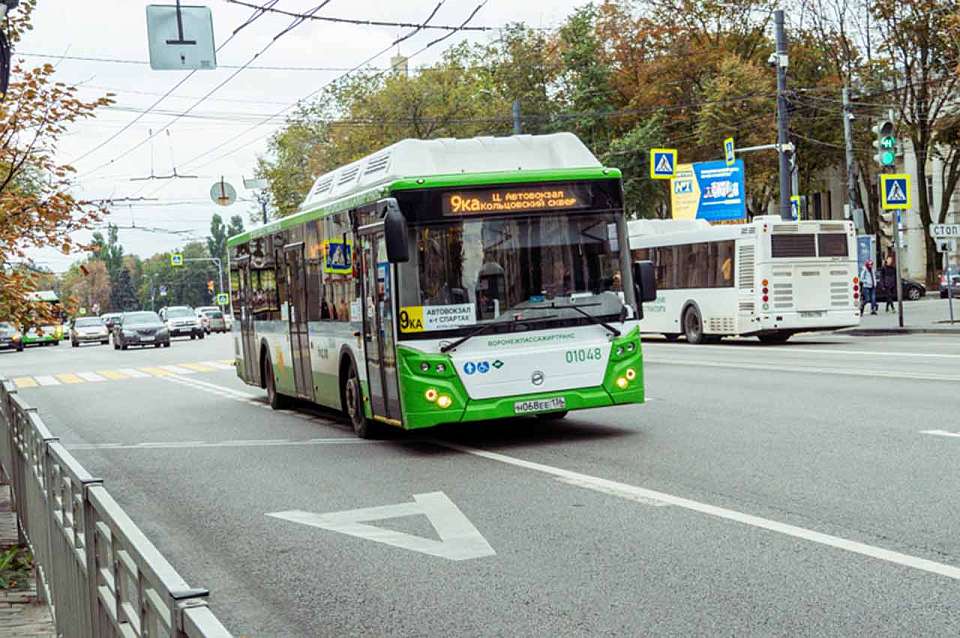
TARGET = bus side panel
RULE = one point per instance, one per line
(327, 340)
(276, 334)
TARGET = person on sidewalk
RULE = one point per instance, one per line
(868, 285)
(888, 283)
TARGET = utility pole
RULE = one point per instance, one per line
(780, 59)
(851, 162)
(517, 128)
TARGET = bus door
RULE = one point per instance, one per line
(379, 346)
(248, 337)
(297, 317)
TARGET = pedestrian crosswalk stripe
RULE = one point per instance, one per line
(113, 375)
(90, 376)
(67, 377)
(177, 369)
(220, 365)
(156, 372)
(25, 382)
(47, 380)
(135, 374)
(197, 367)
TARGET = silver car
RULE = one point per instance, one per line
(89, 330)
(213, 321)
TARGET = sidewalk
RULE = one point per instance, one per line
(929, 315)
(21, 613)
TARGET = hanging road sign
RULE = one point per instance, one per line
(945, 231)
(176, 259)
(895, 192)
(729, 151)
(180, 38)
(222, 299)
(663, 163)
(222, 193)
(709, 190)
(795, 205)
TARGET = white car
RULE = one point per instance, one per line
(88, 330)
(182, 321)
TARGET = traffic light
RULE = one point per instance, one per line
(886, 143)
(210, 286)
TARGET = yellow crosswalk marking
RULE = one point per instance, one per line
(25, 382)
(157, 372)
(229, 362)
(199, 367)
(113, 374)
(67, 377)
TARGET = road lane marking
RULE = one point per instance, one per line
(884, 374)
(220, 365)
(68, 377)
(133, 373)
(113, 375)
(197, 367)
(46, 380)
(172, 445)
(156, 372)
(801, 350)
(941, 433)
(25, 382)
(93, 377)
(240, 394)
(459, 539)
(177, 369)
(605, 486)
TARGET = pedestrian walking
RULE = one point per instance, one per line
(868, 286)
(888, 283)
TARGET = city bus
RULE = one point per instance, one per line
(446, 281)
(768, 278)
(51, 333)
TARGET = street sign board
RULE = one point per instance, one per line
(945, 231)
(180, 38)
(709, 190)
(176, 259)
(663, 163)
(895, 192)
(223, 193)
(795, 203)
(222, 299)
(729, 151)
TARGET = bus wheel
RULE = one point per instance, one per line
(774, 337)
(353, 406)
(670, 336)
(277, 400)
(553, 416)
(693, 326)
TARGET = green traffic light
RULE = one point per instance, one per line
(888, 158)
(888, 142)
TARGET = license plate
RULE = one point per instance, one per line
(146, 338)
(539, 405)
(809, 314)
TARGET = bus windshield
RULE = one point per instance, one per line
(479, 269)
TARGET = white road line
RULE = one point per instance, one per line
(801, 350)
(239, 394)
(134, 374)
(788, 368)
(177, 369)
(218, 365)
(634, 493)
(90, 376)
(941, 433)
(46, 380)
(173, 445)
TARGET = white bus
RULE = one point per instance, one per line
(768, 278)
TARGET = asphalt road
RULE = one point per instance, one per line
(804, 489)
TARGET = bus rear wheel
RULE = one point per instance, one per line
(693, 326)
(277, 401)
(353, 406)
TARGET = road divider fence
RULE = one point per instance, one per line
(98, 572)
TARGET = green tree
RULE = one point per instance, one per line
(123, 296)
(643, 197)
(108, 250)
(219, 232)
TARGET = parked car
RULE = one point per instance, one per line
(912, 290)
(182, 321)
(10, 337)
(954, 275)
(140, 329)
(212, 320)
(109, 319)
(89, 330)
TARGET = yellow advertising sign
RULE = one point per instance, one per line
(684, 193)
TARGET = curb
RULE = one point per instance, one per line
(880, 332)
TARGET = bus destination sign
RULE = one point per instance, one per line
(514, 200)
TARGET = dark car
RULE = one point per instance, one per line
(140, 329)
(954, 275)
(10, 337)
(912, 290)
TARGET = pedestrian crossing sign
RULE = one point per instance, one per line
(176, 259)
(663, 163)
(895, 192)
(223, 299)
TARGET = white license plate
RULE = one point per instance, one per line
(810, 314)
(146, 338)
(539, 405)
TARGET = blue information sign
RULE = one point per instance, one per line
(709, 190)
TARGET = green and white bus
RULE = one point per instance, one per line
(444, 281)
(50, 333)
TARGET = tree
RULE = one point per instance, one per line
(36, 207)
(108, 250)
(219, 232)
(123, 296)
(87, 285)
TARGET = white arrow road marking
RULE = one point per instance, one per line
(459, 539)
(941, 433)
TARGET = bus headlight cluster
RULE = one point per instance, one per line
(430, 395)
(442, 400)
(622, 383)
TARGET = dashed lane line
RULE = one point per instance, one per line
(941, 433)
(92, 377)
(69, 378)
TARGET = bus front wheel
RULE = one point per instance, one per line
(693, 325)
(353, 405)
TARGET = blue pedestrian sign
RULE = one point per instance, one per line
(729, 154)
(796, 203)
(895, 192)
(663, 163)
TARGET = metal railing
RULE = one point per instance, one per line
(100, 575)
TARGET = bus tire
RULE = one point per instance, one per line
(353, 405)
(277, 400)
(671, 336)
(772, 338)
(693, 325)
(553, 416)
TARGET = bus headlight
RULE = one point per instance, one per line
(619, 351)
(622, 383)
(430, 395)
(632, 346)
(441, 368)
(444, 401)
(424, 367)
(631, 374)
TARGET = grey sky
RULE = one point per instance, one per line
(117, 29)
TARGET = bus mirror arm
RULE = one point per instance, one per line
(394, 231)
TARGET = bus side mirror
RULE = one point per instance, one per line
(395, 232)
(645, 280)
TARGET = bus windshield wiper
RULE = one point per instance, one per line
(481, 329)
(595, 320)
